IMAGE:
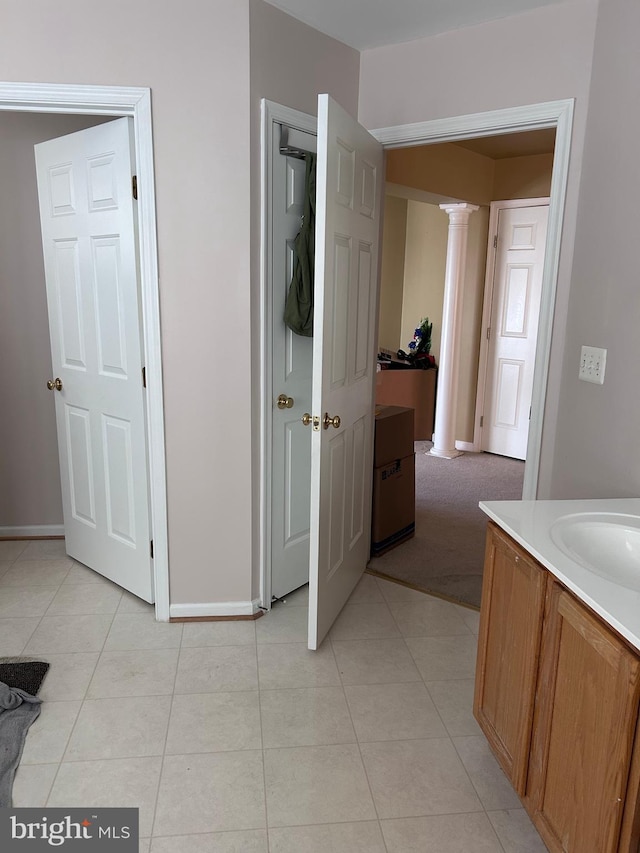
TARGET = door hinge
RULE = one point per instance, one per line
(151, 548)
(529, 412)
(495, 239)
(134, 186)
(481, 420)
(144, 377)
(488, 333)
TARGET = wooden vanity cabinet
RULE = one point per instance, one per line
(508, 651)
(557, 695)
(584, 730)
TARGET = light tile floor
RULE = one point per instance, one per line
(232, 736)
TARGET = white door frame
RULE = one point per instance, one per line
(135, 102)
(553, 114)
(558, 114)
(271, 113)
(489, 283)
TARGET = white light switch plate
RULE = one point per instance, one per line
(592, 363)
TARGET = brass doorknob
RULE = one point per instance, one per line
(327, 421)
(284, 402)
(54, 384)
(306, 419)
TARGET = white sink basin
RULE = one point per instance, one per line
(607, 544)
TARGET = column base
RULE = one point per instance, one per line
(446, 454)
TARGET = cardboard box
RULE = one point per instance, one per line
(415, 389)
(393, 434)
(393, 517)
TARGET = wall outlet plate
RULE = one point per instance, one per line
(592, 364)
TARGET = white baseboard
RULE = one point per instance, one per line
(467, 446)
(214, 609)
(31, 531)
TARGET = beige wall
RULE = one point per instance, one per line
(422, 294)
(291, 64)
(394, 237)
(471, 323)
(436, 166)
(444, 169)
(29, 472)
(425, 258)
(596, 453)
(195, 58)
(457, 173)
(484, 67)
(425, 264)
(523, 177)
(488, 67)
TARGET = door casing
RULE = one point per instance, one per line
(292, 358)
(550, 114)
(271, 113)
(135, 102)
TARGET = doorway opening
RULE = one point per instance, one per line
(556, 115)
(498, 303)
(106, 103)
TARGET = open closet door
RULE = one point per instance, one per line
(348, 196)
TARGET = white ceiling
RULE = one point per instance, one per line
(371, 23)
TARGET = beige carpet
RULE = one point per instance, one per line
(447, 553)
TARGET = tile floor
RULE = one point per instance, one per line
(232, 736)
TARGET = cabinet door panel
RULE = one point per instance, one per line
(584, 728)
(508, 652)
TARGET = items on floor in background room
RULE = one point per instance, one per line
(447, 553)
(420, 347)
(393, 513)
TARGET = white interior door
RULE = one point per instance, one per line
(515, 310)
(349, 186)
(292, 367)
(89, 240)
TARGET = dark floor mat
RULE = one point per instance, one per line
(24, 675)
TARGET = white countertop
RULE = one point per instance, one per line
(530, 522)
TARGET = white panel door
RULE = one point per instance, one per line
(89, 239)
(515, 311)
(349, 185)
(292, 366)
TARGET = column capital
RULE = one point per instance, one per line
(459, 213)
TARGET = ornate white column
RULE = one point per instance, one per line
(444, 439)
